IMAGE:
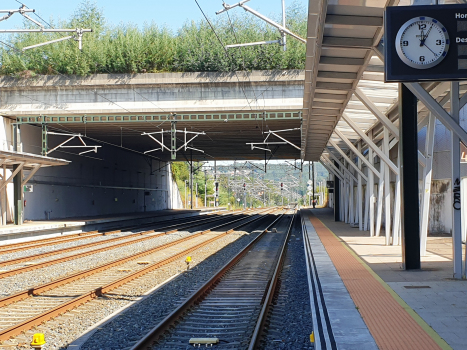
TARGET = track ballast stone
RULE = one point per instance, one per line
(290, 320)
(130, 326)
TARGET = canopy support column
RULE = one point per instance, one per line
(360, 190)
(427, 174)
(336, 197)
(408, 153)
(379, 211)
(387, 190)
(456, 186)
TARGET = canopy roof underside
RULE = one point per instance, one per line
(344, 75)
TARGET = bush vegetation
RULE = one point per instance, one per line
(126, 48)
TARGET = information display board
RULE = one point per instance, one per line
(425, 43)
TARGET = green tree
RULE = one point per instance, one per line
(126, 48)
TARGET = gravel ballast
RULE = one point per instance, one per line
(132, 324)
(290, 320)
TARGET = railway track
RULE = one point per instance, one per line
(107, 245)
(230, 310)
(44, 242)
(170, 229)
(29, 308)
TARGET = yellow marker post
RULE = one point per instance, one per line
(188, 260)
(312, 337)
(38, 340)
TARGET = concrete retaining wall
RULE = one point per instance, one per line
(110, 181)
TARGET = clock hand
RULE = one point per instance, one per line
(431, 50)
(422, 35)
(426, 35)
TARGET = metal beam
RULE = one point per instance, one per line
(31, 174)
(18, 168)
(345, 157)
(376, 112)
(421, 159)
(437, 110)
(463, 100)
(361, 156)
(355, 20)
(336, 170)
(344, 61)
(141, 118)
(370, 143)
(348, 161)
(456, 186)
(426, 190)
(360, 43)
(410, 223)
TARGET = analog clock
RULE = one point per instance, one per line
(422, 42)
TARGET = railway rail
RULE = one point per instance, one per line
(24, 310)
(174, 227)
(128, 240)
(229, 310)
(44, 242)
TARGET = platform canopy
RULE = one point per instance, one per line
(18, 161)
(28, 160)
(345, 95)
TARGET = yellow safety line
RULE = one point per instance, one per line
(426, 327)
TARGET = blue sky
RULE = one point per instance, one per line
(169, 12)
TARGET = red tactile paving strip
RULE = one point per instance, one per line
(390, 325)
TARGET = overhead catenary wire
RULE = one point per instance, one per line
(227, 55)
(225, 50)
(48, 24)
(243, 60)
(122, 107)
(56, 71)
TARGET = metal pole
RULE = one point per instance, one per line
(284, 36)
(455, 187)
(309, 178)
(408, 152)
(387, 190)
(186, 196)
(313, 171)
(17, 182)
(191, 179)
(44, 140)
(336, 196)
(215, 179)
(244, 197)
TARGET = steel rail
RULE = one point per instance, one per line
(254, 342)
(23, 269)
(152, 336)
(69, 305)
(14, 247)
(82, 274)
(47, 241)
(111, 240)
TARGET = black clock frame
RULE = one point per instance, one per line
(447, 70)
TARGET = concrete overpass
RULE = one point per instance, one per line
(233, 109)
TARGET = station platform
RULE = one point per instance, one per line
(36, 229)
(410, 310)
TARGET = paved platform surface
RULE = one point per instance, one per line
(436, 302)
(35, 228)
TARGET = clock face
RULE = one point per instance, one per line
(422, 42)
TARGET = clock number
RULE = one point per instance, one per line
(422, 58)
(438, 42)
(422, 26)
(405, 43)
